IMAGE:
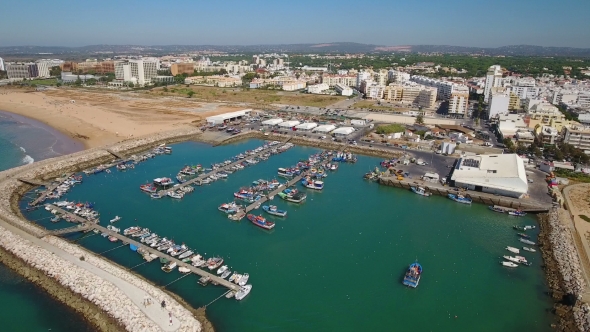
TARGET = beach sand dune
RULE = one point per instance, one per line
(100, 117)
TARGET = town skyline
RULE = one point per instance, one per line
(230, 23)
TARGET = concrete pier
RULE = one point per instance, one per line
(50, 189)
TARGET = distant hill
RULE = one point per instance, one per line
(336, 47)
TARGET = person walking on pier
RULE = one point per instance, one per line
(163, 304)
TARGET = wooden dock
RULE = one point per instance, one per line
(85, 225)
(275, 192)
(50, 189)
(200, 178)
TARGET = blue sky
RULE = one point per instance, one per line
(232, 22)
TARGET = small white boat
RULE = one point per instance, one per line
(222, 269)
(509, 264)
(225, 274)
(233, 276)
(237, 279)
(183, 269)
(244, 279)
(514, 250)
(169, 267)
(529, 249)
(243, 292)
(117, 218)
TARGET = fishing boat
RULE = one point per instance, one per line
(163, 182)
(174, 195)
(260, 221)
(55, 219)
(168, 267)
(156, 196)
(517, 213)
(496, 209)
(412, 276)
(316, 185)
(512, 249)
(529, 249)
(228, 208)
(512, 259)
(117, 218)
(222, 269)
(285, 173)
(113, 229)
(243, 292)
(233, 276)
(508, 264)
(525, 241)
(421, 191)
(186, 254)
(131, 230)
(523, 235)
(292, 195)
(225, 274)
(214, 262)
(244, 279)
(460, 198)
(148, 188)
(113, 239)
(272, 209)
(526, 228)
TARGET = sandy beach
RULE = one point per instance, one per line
(98, 118)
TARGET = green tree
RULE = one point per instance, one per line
(419, 119)
(55, 71)
(190, 93)
(131, 85)
(165, 89)
(78, 81)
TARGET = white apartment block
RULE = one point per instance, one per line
(43, 69)
(22, 70)
(2, 67)
(445, 88)
(493, 79)
(381, 77)
(318, 88)
(397, 76)
(135, 71)
(578, 137)
(333, 80)
(498, 104)
(411, 93)
(343, 90)
(524, 92)
(373, 90)
(459, 102)
(362, 76)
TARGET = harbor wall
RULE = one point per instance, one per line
(91, 290)
(507, 202)
(564, 273)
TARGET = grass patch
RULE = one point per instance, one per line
(586, 218)
(242, 95)
(372, 105)
(576, 176)
(49, 81)
(390, 129)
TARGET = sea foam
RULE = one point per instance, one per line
(27, 160)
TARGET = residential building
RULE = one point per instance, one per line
(182, 68)
(427, 98)
(381, 77)
(510, 124)
(22, 70)
(514, 103)
(545, 114)
(43, 69)
(318, 88)
(578, 137)
(411, 93)
(493, 79)
(499, 104)
(294, 85)
(393, 92)
(444, 88)
(502, 174)
(525, 137)
(137, 71)
(343, 90)
(397, 76)
(214, 80)
(547, 135)
(372, 90)
(360, 77)
(345, 80)
(459, 102)
(2, 67)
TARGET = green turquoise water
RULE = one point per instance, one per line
(336, 262)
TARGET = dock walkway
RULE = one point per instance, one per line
(50, 189)
(87, 225)
(201, 177)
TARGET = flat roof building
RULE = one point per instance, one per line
(289, 124)
(182, 68)
(502, 174)
(222, 118)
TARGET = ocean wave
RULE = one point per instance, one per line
(27, 160)
(23, 149)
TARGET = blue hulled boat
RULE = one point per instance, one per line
(274, 210)
(460, 198)
(412, 277)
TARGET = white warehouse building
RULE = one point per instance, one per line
(225, 117)
(272, 122)
(343, 131)
(289, 124)
(307, 126)
(324, 128)
(501, 174)
(343, 89)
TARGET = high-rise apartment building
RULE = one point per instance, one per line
(43, 68)
(138, 72)
(22, 70)
(459, 102)
(2, 68)
(493, 79)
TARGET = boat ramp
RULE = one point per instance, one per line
(87, 225)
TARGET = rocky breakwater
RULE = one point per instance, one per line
(564, 273)
(101, 284)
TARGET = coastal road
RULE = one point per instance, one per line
(134, 293)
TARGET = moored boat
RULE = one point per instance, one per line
(517, 213)
(525, 241)
(117, 218)
(420, 191)
(222, 269)
(244, 279)
(149, 188)
(260, 221)
(225, 274)
(523, 235)
(509, 264)
(228, 208)
(496, 209)
(529, 249)
(243, 292)
(183, 269)
(272, 209)
(156, 196)
(512, 249)
(214, 262)
(460, 198)
(413, 274)
(168, 267)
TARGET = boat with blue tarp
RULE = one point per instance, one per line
(412, 277)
